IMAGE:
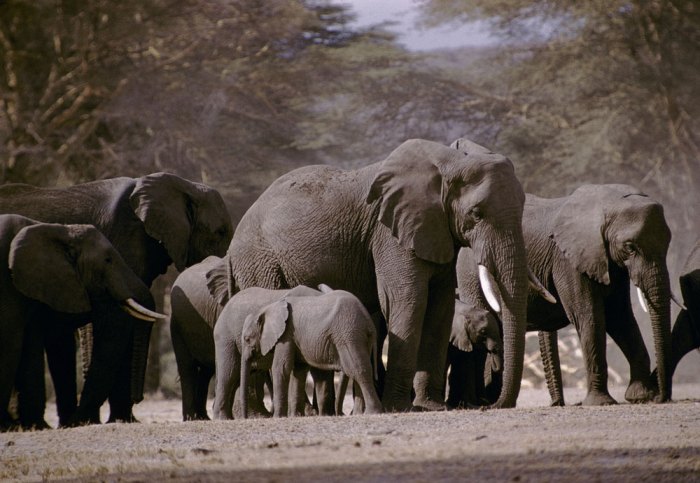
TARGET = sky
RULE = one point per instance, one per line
(405, 14)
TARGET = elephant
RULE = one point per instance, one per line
(473, 329)
(685, 335)
(329, 332)
(152, 221)
(587, 248)
(388, 233)
(193, 315)
(74, 270)
(228, 349)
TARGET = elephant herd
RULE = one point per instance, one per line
(436, 248)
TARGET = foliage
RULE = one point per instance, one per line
(596, 92)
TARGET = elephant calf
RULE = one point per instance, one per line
(328, 332)
(474, 330)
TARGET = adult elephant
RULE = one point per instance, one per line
(152, 221)
(587, 248)
(685, 335)
(388, 234)
(74, 270)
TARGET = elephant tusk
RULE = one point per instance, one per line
(133, 308)
(324, 288)
(642, 300)
(488, 287)
(678, 302)
(537, 286)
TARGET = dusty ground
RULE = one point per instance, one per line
(531, 443)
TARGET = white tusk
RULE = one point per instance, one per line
(489, 289)
(324, 288)
(537, 286)
(642, 300)
(140, 312)
(678, 302)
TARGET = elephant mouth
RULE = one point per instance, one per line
(138, 311)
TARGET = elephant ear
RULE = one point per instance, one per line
(220, 281)
(580, 224)
(164, 203)
(460, 337)
(43, 264)
(410, 187)
(274, 321)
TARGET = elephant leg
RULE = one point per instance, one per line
(204, 375)
(120, 403)
(685, 337)
(187, 370)
(457, 378)
(340, 392)
(228, 379)
(591, 332)
(59, 342)
(282, 366)
(298, 399)
(30, 380)
(11, 346)
(549, 350)
(324, 390)
(111, 348)
(356, 362)
(432, 355)
(624, 330)
(582, 299)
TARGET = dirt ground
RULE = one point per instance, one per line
(533, 442)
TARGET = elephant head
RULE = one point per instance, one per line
(69, 266)
(189, 219)
(626, 228)
(261, 331)
(472, 325)
(480, 201)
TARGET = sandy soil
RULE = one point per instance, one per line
(530, 443)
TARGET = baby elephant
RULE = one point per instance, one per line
(473, 330)
(330, 332)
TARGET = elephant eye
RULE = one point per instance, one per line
(108, 260)
(476, 213)
(222, 231)
(630, 247)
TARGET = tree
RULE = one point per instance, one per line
(596, 92)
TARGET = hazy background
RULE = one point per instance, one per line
(235, 93)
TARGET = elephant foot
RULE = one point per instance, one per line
(598, 398)
(36, 425)
(637, 392)
(420, 405)
(130, 418)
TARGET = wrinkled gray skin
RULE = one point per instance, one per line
(193, 315)
(228, 347)
(685, 335)
(388, 234)
(586, 249)
(73, 269)
(473, 329)
(152, 221)
(330, 332)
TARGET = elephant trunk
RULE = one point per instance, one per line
(139, 358)
(507, 256)
(246, 364)
(655, 285)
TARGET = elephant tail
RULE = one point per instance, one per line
(85, 336)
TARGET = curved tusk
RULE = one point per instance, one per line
(133, 308)
(488, 287)
(642, 300)
(537, 286)
(678, 302)
(324, 288)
